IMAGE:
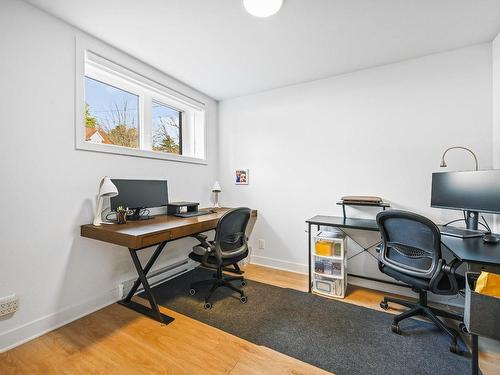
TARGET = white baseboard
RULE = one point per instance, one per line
(279, 264)
(384, 287)
(370, 284)
(31, 330)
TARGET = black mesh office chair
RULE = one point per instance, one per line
(229, 246)
(411, 253)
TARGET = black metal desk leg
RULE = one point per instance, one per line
(150, 263)
(154, 311)
(475, 354)
(309, 254)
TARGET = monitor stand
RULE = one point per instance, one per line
(471, 230)
(472, 220)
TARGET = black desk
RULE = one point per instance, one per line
(473, 250)
(469, 250)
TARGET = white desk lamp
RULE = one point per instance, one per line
(106, 189)
(216, 190)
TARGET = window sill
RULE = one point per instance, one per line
(118, 150)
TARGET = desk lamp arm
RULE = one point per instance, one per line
(443, 162)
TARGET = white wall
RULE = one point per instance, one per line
(495, 57)
(379, 131)
(47, 188)
(496, 100)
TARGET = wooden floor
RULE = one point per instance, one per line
(116, 340)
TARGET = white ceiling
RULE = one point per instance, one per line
(219, 49)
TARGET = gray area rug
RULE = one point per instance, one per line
(333, 335)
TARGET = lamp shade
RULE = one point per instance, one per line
(107, 188)
(216, 188)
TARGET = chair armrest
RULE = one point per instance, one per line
(451, 268)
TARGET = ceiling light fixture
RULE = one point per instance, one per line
(262, 8)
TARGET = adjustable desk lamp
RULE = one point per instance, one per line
(106, 189)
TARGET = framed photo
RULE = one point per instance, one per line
(241, 177)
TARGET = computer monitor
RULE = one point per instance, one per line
(471, 191)
(139, 194)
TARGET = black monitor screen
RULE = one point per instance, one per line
(140, 193)
(470, 191)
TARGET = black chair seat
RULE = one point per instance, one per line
(424, 284)
(211, 261)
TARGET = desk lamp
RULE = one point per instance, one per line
(106, 189)
(443, 162)
(216, 190)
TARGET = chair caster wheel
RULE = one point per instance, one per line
(463, 328)
(395, 328)
(454, 348)
(207, 306)
(243, 299)
(192, 291)
(384, 305)
(243, 283)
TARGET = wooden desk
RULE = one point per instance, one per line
(138, 235)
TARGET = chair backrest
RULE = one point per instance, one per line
(230, 239)
(411, 243)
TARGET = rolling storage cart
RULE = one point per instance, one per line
(328, 266)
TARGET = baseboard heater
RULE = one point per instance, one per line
(160, 275)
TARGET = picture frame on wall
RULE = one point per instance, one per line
(241, 177)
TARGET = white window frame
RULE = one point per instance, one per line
(99, 61)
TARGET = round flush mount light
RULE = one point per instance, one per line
(262, 8)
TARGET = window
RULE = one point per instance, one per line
(121, 111)
(166, 129)
(111, 115)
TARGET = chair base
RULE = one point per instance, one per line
(236, 269)
(421, 308)
(219, 280)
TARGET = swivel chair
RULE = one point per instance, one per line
(228, 248)
(411, 253)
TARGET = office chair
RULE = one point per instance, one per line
(411, 253)
(228, 248)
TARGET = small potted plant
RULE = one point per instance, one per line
(121, 215)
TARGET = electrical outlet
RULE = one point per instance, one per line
(262, 244)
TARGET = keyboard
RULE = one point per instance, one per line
(459, 232)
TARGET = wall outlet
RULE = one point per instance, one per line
(262, 244)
